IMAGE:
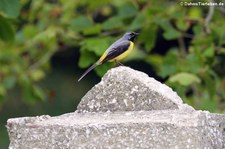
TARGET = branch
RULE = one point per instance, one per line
(209, 17)
(182, 46)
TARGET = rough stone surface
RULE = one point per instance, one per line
(125, 89)
(127, 109)
(134, 129)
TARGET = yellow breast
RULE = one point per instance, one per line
(124, 54)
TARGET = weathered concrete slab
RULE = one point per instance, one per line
(127, 109)
(125, 89)
(140, 129)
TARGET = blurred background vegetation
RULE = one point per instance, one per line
(45, 43)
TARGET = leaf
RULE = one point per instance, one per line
(27, 95)
(86, 59)
(112, 23)
(208, 103)
(169, 64)
(184, 78)
(182, 24)
(96, 29)
(93, 5)
(148, 36)
(138, 22)
(166, 70)
(29, 31)
(127, 10)
(38, 93)
(195, 13)
(37, 74)
(80, 23)
(170, 33)
(136, 54)
(209, 52)
(46, 35)
(102, 69)
(210, 84)
(2, 94)
(154, 60)
(176, 14)
(218, 32)
(2, 90)
(96, 45)
(197, 29)
(9, 82)
(171, 57)
(10, 8)
(6, 31)
(31, 93)
(194, 62)
(207, 40)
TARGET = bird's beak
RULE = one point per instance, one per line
(136, 34)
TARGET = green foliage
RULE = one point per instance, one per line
(184, 78)
(10, 8)
(81, 23)
(6, 30)
(193, 63)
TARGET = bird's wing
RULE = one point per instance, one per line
(115, 50)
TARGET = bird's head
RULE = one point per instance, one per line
(130, 35)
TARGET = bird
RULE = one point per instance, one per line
(115, 52)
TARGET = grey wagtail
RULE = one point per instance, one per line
(116, 52)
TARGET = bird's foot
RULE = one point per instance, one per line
(119, 64)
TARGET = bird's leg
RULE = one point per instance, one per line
(119, 64)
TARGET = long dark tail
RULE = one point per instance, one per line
(88, 70)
